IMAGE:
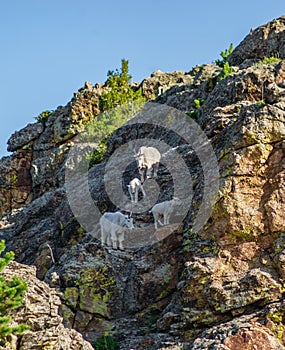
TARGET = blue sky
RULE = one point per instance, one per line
(49, 49)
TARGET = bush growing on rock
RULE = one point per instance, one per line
(115, 109)
(197, 104)
(227, 70)
(43, 117)
(105, 343)
(120, 91)
(225, 55)
(100, 129)
(224, 64)
(270, 60)
(11, 297)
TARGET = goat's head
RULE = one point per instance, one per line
(140, 160)
(176, 200)
(129, 221)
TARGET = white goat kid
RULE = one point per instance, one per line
(164, 209)
(134, 187)
(113, 227)
(148, 159)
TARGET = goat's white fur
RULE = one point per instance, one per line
(148, 159)
(134, 187)
(113, 226)
(164, 209)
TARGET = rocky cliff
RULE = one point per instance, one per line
(216, 287)
(40, 312)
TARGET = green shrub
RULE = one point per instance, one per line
(227, 70)
(11, 297)
(118, 105)
(43, 117)
(260, 103)
(223, 63)
(270, 60)
(225, 55)
(96, 156)
(211, 83)
(100, 129)
(120, 91)
(105, 343)
(197, 104)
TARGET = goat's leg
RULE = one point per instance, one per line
(131, 194)
(155, 168)
(109, 239)
(166, 218)
(141, 171)
(103, 236)
(155, 220)
(143, 191)
(115, 243)
(114, 239)
(160, 223)
(148, 173)
(121, 239)
(136, 195)
(158, 217)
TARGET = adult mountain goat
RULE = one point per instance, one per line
(164, 209)
(113, 227)
(148, 159)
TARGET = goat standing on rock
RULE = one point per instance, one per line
(113, 227)
(164, 209)
(148, 159)
(134, 187)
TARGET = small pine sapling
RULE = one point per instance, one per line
(225, 55)
(120, 91)
(197, 104)
(11, 297)
(224, 64)
(227, 70)
(43, 116)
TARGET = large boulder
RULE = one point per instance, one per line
(40, 312)
(15, 181)
(265, 41)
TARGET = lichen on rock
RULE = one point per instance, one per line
(219, 288)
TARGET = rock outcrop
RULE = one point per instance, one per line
(220, 287)
(40, 312)
(264, 41)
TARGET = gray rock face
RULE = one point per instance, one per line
(159, 82)
(23, 137)
(245, 332)
(40, 312)
(15, 181)
(265, 41)
(182, 96)
(220, 287)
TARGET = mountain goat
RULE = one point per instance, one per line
(134, 187)
(148, 159)
(164, 209)
(113, 226)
